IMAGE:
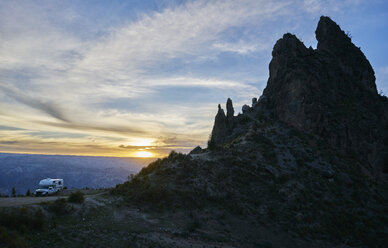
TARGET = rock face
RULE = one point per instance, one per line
(229, 109)
(307, 158)
(222, 124)
(220, 127)
(329, 92)
(344, 54)
(254, 102)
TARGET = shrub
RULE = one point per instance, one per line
(151, 167)
(76, 197)
(18, 219)
(59, 207)
(176, 155)
(10, 238)
(15, 222)
(193, 225)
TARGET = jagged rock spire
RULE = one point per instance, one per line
(254, 102)
(220, 127)
(229, 109)
(312, 90)
(332, 40)
(329, 35)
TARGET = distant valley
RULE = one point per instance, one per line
(24, 171)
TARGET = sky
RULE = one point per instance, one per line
(140, 78)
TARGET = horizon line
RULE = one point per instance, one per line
(74, 155)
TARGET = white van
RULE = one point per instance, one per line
(49, 186)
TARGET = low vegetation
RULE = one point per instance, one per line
(76, 197)
(15, 223)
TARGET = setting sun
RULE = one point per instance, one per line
(144, 154)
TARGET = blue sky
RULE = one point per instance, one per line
(115, 78)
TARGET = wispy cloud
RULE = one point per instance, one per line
(47, 107)
(240, 47)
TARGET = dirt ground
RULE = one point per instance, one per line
(20, 201)
(29, 200)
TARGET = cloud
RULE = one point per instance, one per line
(48, 107)
(239, 47)
(112, 128)
(30, 40)
(325, 6)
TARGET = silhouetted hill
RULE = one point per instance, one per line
(304, 166)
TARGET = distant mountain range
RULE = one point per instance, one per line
(24, 171)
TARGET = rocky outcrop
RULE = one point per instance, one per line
(220, 127)
(196, 150)
(348, 58)
(329, 92)
(254, 102)
(229, 109)
(222, 124)
(300, 160)
(245, 108)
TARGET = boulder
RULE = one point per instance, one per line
(245, 108)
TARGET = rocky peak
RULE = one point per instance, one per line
(220, 127)
(329, 92)
(229, 109)
(330, 37)
(312, 90)
(289, 46)
(351, 60)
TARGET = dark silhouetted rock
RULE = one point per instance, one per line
(196, 150)
(245, 108)
(348, 58)
(307, 159)
(220, 127)
(330, 92)
(254, 102)
(229, 109)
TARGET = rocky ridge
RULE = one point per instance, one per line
(304, 166)
(329, 92)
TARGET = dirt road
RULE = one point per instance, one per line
(20, 201)
(28, 200)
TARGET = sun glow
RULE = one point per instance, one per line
(144, 154)
(141, 142)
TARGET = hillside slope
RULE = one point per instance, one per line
(304, 166)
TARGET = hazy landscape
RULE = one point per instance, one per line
(24, 171)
